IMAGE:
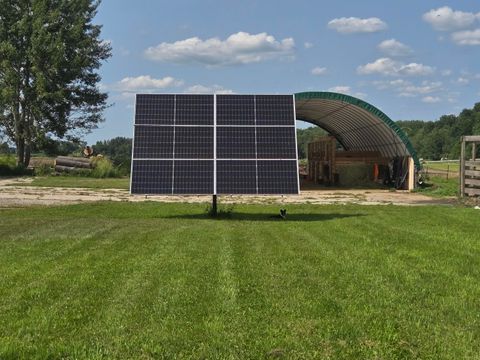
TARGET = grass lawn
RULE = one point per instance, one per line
(439, 187)
(80, 182)
(149, 280)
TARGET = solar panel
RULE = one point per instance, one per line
(152, 177)
(214, 144)
(193, 142)
(194, 110)
(236, 142)
(277, 177)
(154, 109)
(276, 143)
(236, 177)
(275, 110)
(193, 177)
(235, 110)
(153, 142)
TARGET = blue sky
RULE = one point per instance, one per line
(412, 59)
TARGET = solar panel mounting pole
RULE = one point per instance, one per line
(214, 205)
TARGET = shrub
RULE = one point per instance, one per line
(43, 169)
(9, 167)
(103, 168)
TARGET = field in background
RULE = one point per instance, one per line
(123, 280)
(441, 169)
(79, 182)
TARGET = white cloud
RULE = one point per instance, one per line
(446, 19)
(341, 89)
(425, 88)
(393, 47)
(446, 72)
(408, 89)
(319, 70)
(146, 83)
(462, 81)
(344, 89)
(353, 25)
(307, 45)
(431, 99)
(389, 67)
(201, 89)
(466, 37)
(239, 48)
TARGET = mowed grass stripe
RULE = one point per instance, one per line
(113, 280)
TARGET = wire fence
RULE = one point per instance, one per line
(447, 169)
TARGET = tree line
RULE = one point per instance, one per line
(434, 140)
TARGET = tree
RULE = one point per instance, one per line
(50, 52)
(118, 149)
(436, 139)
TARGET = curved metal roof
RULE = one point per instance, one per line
(356, 124)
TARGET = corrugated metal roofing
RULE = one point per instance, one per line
(356, 124)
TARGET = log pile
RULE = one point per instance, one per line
(70, 164)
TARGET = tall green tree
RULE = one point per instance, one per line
(50, 53)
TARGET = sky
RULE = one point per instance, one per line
(415, 60)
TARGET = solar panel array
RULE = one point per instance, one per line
(214, 144)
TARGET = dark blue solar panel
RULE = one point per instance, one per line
(152, 176)
(277, 177)
(193, 177)
(255, 137)
(275, 110)
(235, 110)
(235, 142)
(276, 143)
(154, 109)
(193, 142)
(236, 177)
(194, 110)
(153, 142)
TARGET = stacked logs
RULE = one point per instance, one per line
(69, 164)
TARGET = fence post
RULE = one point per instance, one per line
(448, 170)
(462, 168)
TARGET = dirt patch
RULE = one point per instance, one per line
(20, 196)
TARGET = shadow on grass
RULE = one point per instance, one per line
(235, 216)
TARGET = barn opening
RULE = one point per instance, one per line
(363, 147)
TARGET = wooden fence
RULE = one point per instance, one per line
(470, 169)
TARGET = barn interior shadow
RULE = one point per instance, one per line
(239, 216)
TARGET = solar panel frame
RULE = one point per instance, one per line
(206, 133)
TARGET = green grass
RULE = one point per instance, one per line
(440, 187)
(149, 280)
(443, 165)
(80, 182)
